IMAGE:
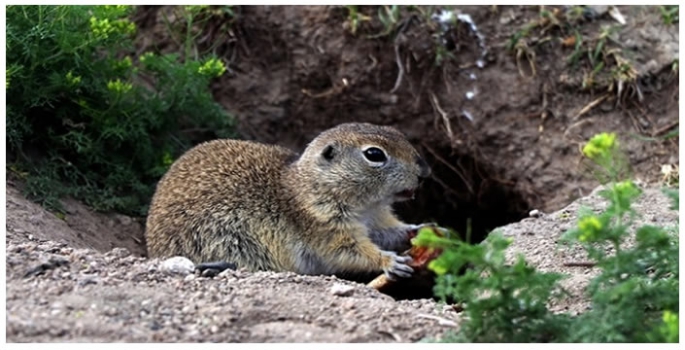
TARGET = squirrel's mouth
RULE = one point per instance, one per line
(405, 195)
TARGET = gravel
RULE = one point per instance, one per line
(56, 292)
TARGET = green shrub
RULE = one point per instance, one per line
(633, 299)
(85, 118)
(502, 303)
(636, 293)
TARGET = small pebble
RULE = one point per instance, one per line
(535, 213)
(189, 277)
(447, 308)
(120, 252)
(178, 265)
(86, 280)
(342, 290)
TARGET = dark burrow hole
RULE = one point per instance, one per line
(460, 190)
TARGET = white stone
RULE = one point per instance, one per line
(342, 290)
(535, 213)
(178, 265)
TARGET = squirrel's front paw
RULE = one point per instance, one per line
(396, 265)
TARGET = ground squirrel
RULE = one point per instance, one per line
(265, 207)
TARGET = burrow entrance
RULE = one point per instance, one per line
(462, 190)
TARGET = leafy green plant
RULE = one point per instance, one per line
(575, 14)
(502, 303)
(633, 299)
(574, 57)
(669, 14)
(389, 16)
(85, 118)
(189, 23)
(595, 55)
(355, 18)
(637, 286)
(518, 36)
(589, 53)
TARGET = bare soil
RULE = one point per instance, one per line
(296, 70)
(80, 227)
(57, 292)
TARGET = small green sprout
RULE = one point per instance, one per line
(72, 80)
(213, 68)
(600, 146)
(119, 87)
(590, 227)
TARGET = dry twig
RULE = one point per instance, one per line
(441, 321)
(591, 105)
(445, 118)
(579, 264)
(447, 164)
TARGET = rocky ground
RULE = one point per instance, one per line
(56, 292)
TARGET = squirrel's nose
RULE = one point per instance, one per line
(425, 170)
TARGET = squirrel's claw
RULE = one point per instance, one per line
(399, 267)
(213, 268)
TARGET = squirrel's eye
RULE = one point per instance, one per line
(375, 155)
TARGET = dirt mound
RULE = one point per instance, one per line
(119, 297)
(501, 138)
(59, 293)
(79, 227)
(537, 239)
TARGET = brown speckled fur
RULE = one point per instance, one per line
(264, 207)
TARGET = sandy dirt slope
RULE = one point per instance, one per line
(56, 292)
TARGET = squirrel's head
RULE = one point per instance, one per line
(361, 165)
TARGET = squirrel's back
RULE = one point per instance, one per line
(213, 197)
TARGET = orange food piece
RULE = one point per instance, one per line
(421, 256)
(570, 41)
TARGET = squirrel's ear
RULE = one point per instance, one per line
(328, 152)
